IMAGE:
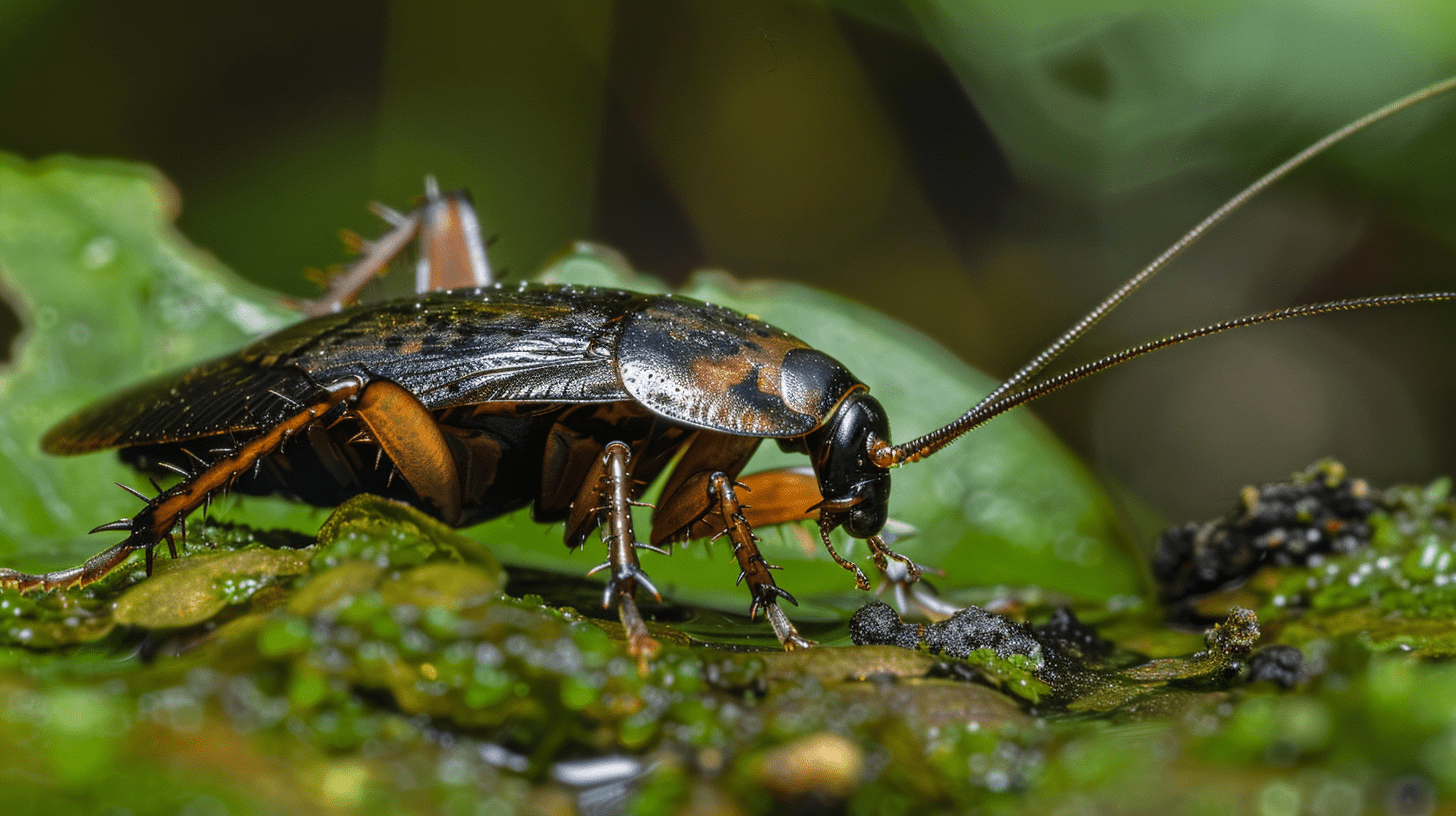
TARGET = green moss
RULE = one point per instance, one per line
(1397, 593)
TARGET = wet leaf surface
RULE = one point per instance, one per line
(192, 590)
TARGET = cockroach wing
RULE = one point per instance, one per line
(219, 397)
(533, 344)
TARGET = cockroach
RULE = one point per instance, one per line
(472, 399)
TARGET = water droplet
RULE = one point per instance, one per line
(98, 252)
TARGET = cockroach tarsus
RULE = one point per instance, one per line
(472, 399)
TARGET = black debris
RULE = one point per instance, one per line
(1321, 511)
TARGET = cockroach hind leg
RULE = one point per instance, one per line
(344, 287)
(98, 567)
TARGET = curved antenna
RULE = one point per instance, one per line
(1042, 388)
(886, 455)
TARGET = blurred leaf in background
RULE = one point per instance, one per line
(982, 172)
(110, 295)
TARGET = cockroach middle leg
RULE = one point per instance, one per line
(615, 512)
(751, 563)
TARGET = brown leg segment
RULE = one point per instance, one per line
(154, 523)
(751, 564)
(452, 251)
(612, 480)
(409, 435)
(860, 581)
(346, 285)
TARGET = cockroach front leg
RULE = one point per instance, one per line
(612, 479)
(751, 563)
(905, 578)
(792, 494)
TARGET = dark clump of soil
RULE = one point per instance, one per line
(1322, 511)
(969, 630)
(1060, 648)
(1280, 665)
(878, 624)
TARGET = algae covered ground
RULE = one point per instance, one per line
(366, 659)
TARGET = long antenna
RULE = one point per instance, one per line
(1050, 384)
(1005, 396)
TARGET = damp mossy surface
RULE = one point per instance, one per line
(365, 683)
(367, 659)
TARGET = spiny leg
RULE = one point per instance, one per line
(752, 565)
(375, 257)
(782, 495)
(613, 478)
(154, 523)
(89, 572)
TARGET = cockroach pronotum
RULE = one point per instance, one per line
(472, 399)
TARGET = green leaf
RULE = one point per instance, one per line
(108, 294)
(193, 589)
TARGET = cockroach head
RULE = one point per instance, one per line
(856, 491)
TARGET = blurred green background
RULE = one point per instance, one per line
(983, 171)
